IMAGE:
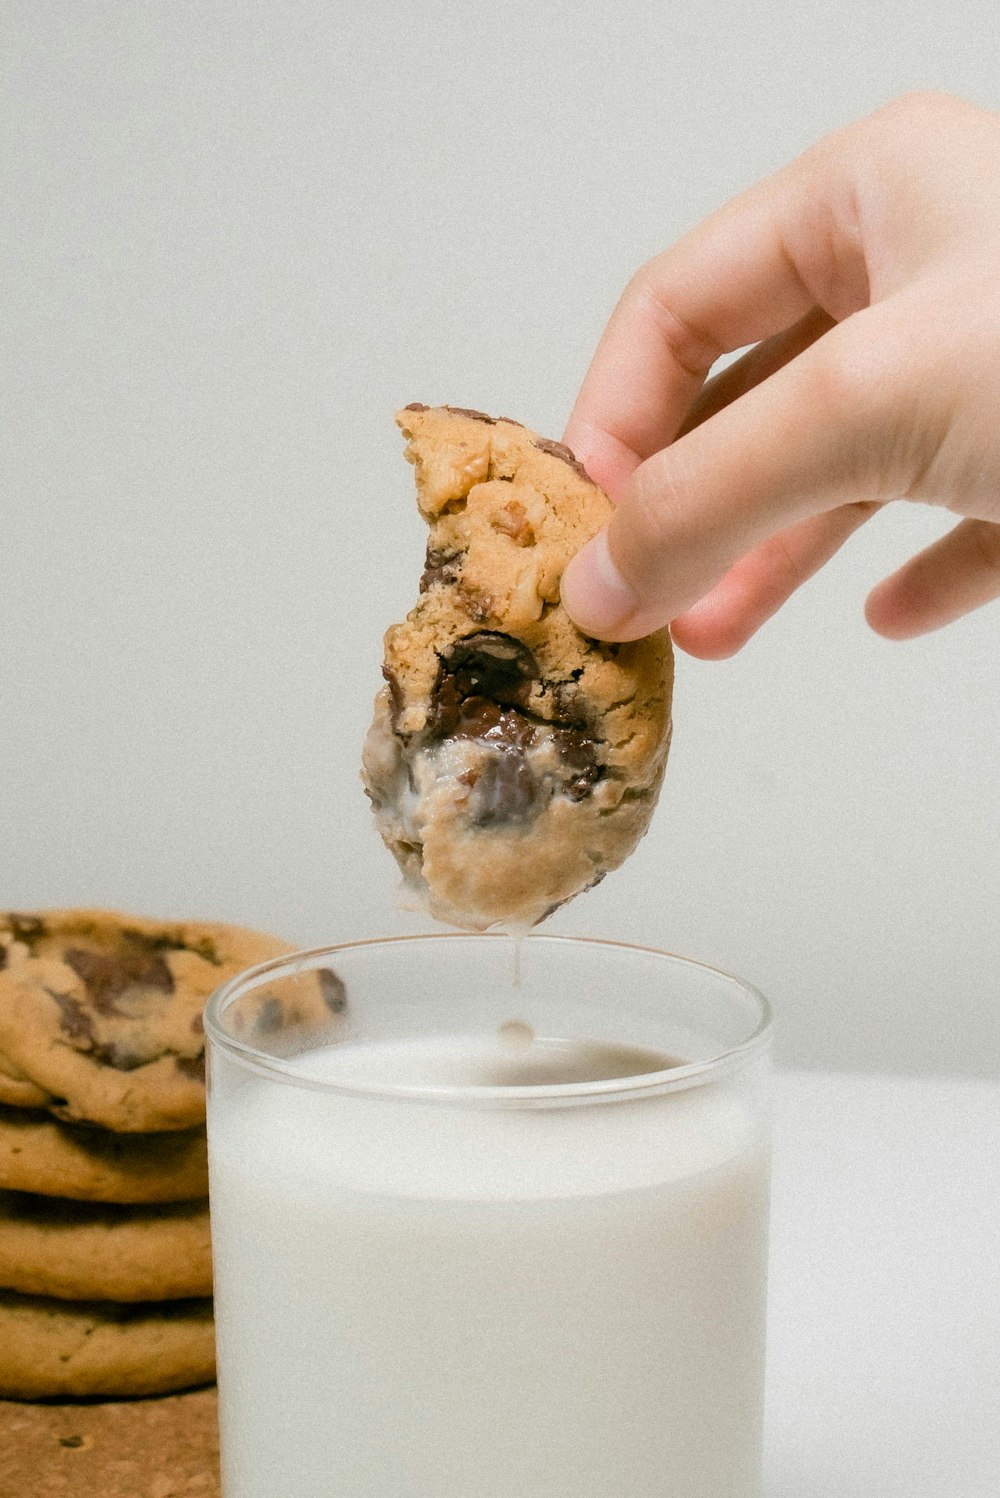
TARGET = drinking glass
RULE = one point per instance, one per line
(489, 1221)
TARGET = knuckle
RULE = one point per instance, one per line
(860, 372)
(922, 108)
(867, 390)
(691, 347)
(842, 381)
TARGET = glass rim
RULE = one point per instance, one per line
(669, 1079)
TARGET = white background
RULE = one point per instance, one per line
(235, 237)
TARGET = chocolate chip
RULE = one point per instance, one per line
(505, 790)
(482, 718)
(579, 754)
(118, 1057)
(441, 567)
(484, 665)
(270, 1016)
(74, 1021)
(561, 451)
(473, 415)
(26, 928)
(396, 700)
(192, 1067)
(489, 689)
(3, 958)
(416, 406)
(446, 707)
(204, 947)
(493, 663)
(106, 976)
(333, 989)
(72, 1443)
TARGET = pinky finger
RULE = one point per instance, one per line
(955, 575)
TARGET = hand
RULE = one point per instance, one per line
(867, 275)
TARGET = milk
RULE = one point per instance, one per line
(418, 1299)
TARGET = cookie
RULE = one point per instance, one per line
(68, 1348)
(40, 1154)
(93, 1251)
(100, 1014)
(17, 1090)
(512, 762)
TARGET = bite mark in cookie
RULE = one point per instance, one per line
(512, 762)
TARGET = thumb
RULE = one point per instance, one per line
(825, 430)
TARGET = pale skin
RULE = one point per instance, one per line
(867, 276)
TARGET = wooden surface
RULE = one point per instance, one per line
(141, 1448)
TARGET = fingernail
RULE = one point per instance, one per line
(597, 597)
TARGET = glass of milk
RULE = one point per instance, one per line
(489, 1221)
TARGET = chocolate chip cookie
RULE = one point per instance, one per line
(67, 1348)
(100, 1014)
(40, 1154)
(90, 1251)
(512, 762)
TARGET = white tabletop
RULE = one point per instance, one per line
(884, 1340)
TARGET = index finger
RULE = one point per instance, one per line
(786, 246)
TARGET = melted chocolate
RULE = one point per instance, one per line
(482, 718)
(484, 666)
(483, 692)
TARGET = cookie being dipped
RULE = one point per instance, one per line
(512, 762)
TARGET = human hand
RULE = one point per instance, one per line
(867, 275)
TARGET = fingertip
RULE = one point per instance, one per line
(596, 596)
(886, 614)
(716, 627)
(706, 641)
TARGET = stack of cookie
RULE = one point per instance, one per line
(105, 1261)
